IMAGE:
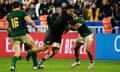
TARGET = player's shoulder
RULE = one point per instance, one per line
(81, 20)
(22, 11)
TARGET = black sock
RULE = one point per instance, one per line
(90, 56)
(29, 54)
(34, 58)
(76, 54)
(54, 50)
(43, 59)
(77, 60)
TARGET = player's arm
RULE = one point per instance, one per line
(30, 21)
(76, 26)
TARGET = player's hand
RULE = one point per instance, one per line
(36, 29)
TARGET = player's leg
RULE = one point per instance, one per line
(27, 39)
(20, 57)
(17, 52)
(28, 49)
(55, 49)
(34, 56)
(78, 43)
(89, 41)
(55, 40)
(48, 41)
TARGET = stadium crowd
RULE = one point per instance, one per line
(92, 10)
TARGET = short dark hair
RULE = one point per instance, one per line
(15, 4)
(69, 7)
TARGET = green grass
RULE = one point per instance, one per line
(61, 65)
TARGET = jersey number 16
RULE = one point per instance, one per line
(15, 22)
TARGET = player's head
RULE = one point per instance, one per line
(75, 16)
(15, 4)
(70, 10)
(75, 19)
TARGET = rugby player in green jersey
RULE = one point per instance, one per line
(86, 36)
(18, 34)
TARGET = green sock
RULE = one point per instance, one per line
(34, 58)
(14, 60)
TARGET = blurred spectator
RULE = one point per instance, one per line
(91, 1)
(43, 9)
(106, 11)
(26, 1)
(113, 7)
(98, 3)
(64, 5)
(31, 11)
(118, 9)
(58, 3)
(71, 2)
(52, 2)
(1, 1)
(25, 7)
(7, 5)
(37, 8)
(34, 1)
(93, 13)
(52, 17)
(5, 8)
(14, 0)
(51, 7)
(25, 4)
(3, 11)
(111, 2)
(20, 4)
(85, 9)
(51, 10)
(78, 7)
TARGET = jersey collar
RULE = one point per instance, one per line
(15, 9)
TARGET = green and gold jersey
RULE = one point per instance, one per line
(83, 30)
(17, 23)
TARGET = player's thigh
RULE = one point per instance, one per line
(88, 41)
(80, 40)
(28, 40)
(49, 37)
(56, 41)
(16, 45)
(45, 47)
(56, 44)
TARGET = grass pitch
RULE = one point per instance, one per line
(61, 65)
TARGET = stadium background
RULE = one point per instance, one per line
(105, 46)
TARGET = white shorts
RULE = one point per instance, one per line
(84, 39)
